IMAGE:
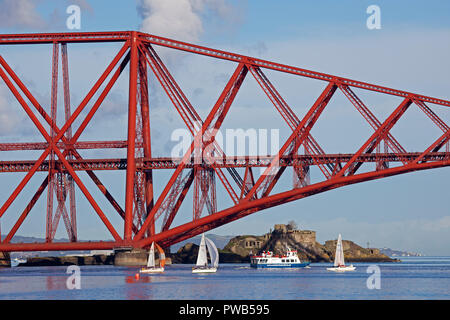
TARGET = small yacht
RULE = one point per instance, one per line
(339, 263)
(206, 245)
(151, 267)
(268, 260)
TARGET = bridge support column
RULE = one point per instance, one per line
(130, 257)
(131, 161)
(146, 136)
(134, 257)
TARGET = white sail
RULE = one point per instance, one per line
(213, 252)
(151, 256)
(202, 259)
(339, 256)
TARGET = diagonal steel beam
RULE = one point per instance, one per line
(310, 144)
(351, 167)
(67, 125)
(189, 114)
(26, 211)
(371, 119)
(300, 133)
(224, 98)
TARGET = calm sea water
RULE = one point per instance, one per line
(414, 278)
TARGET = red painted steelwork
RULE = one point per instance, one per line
(204, 161)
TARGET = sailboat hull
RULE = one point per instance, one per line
(204, 270)
(342, 269)
(152, 270)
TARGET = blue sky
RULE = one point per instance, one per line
(409, 52)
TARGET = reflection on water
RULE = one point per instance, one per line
(137, 292)
(55, 282)
(420, 278)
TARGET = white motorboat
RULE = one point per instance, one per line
(339, 263)
(269, 260)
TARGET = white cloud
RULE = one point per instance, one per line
(172, 19)
(179, 19)
(20, 14)
(83, 4)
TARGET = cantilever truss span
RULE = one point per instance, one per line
(249, 192)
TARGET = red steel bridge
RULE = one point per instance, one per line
(147, 218)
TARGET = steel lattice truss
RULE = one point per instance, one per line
(249, 193)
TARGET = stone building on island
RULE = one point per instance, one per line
(258, 242)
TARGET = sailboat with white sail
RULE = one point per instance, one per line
(206, 246)
(339, 263)
(151, 265)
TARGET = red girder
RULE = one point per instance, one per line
(376, 138)
(370, 117)
(310, 144)
(228, 162)
(21, 146)
(203, 161)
